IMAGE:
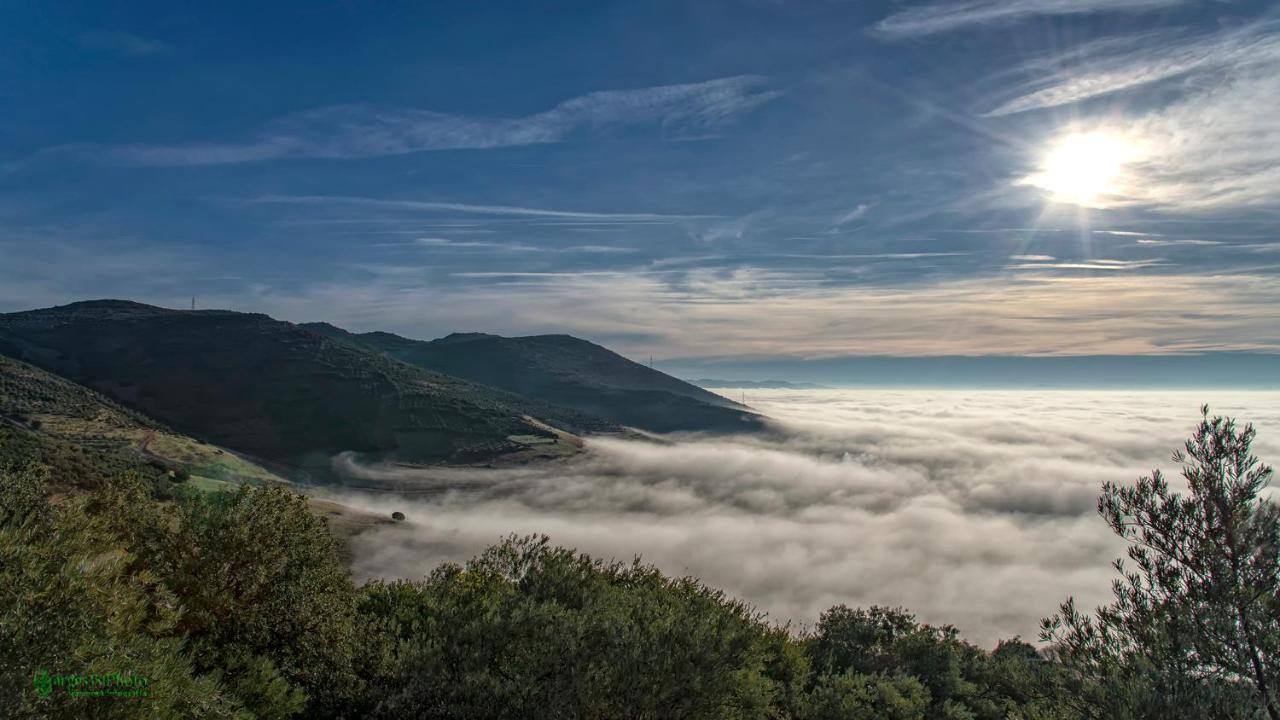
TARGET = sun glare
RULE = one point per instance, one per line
(1084, 168)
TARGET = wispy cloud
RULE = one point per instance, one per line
(755, 312)
(853, 215)
(448, 244)
(467, 209)
(1111, 265)
(120, 43)
(1218, 147)
(1151, 241)
(1111, 65)
(1123, 233)
(360, 131)
(937, 17)
(1211, 143)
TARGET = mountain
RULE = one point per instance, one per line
(758, 384)
(80, 433)
(271, 388)
(85, 439)
(566, 371)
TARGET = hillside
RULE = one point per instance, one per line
(266, 387)
(566, 371)
(76, 431)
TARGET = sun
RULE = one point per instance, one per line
(1085, 168)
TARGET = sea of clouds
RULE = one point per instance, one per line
(975, 508)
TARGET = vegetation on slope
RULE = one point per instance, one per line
(265, 387)
(235, 605)
(69, 420)
(566, 371)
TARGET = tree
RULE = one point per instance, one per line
(267, 603)
(527, 630)
(1193, 628)
(860, 654)
(74, 602)
(854, 696)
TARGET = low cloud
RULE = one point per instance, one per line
(970, 508)
(753, 312)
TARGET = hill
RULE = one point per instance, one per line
(72, 427)
(270, 388)
(566, 371)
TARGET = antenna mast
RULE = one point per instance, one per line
(193, 302)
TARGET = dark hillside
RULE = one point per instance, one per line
(263, 386)
(566, 371)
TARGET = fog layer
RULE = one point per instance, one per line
(970, 508)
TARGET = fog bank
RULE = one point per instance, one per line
(974, 508)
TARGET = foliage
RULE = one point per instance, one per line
(527, 630)
(74, 601)
(265, 387)
(855, 696)
(868, 650)
(1193, 628)
(235, 605)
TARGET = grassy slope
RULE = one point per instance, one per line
(265, 387)
(86, 438)
(567, 371)
(58, 413)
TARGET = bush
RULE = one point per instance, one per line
(532, 631)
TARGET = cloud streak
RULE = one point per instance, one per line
(1212, 144)
(751, 312)
(938, 17)
(970, 508)
(1111, 65)
(467, 209)
(344, 132)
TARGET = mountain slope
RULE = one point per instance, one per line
(80, 434)
(566, 371)
(264, 386)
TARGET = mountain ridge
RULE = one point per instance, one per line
(568, 371)
(268, 387)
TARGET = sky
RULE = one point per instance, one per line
(746, 180)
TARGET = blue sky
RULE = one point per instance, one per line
(692, 180)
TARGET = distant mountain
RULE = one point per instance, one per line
(271, 388)
(758, 384)
(565, 371)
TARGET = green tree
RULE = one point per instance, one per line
(1193, 629)
(527, 630)
(853, 696)
(266, 602)
(959, 679)
(74, 601)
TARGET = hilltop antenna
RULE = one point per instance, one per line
(650, 362)
(193, 302)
